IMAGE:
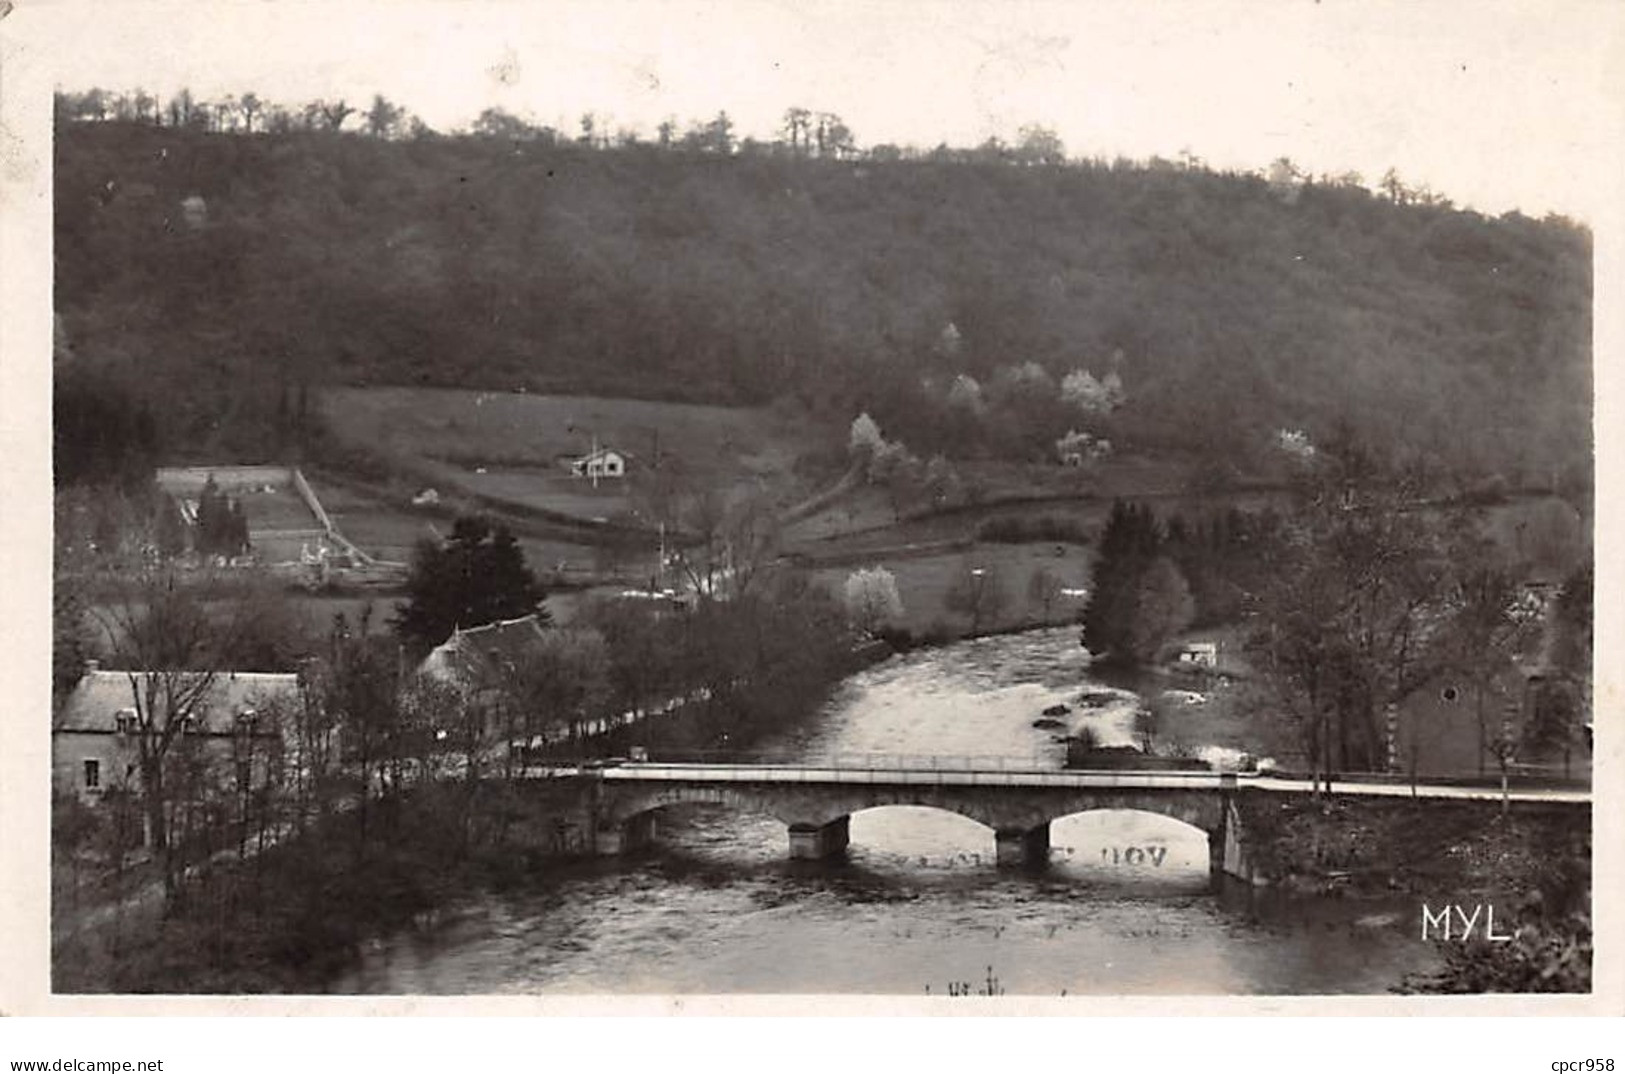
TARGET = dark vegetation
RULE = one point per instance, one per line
(222, 528)
(293, 916)
(1015, 529)
(1533, 866)
(1140, 599)
(1352, 598)
(478, 575)
(251, 267)
(383, 793)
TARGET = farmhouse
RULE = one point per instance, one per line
(95, 735)
(602, 462)
(482, 662)
(1451, 724)
(480, 658)
(1198, 654)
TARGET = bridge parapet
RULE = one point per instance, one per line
(815, 803)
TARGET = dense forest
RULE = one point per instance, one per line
(229, 273)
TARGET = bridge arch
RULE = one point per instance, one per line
(1132, 843)
(944, 810)
(627, 807)
(817, 810)
(1196, 820)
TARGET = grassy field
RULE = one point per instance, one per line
(379, 527)
(523, 442)
(923, 581)
(386, 525)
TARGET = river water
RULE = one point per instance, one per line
(917, 906)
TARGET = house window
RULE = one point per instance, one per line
(93, 774)
(126, 721)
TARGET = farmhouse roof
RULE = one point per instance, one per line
(99, 696)
(471, 657)
(601, 452)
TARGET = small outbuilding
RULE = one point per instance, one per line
(1199, 654)
(603, 462)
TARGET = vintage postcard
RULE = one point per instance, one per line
(948, 507)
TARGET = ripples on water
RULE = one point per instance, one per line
(918, 901)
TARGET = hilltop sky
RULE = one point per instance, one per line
(1497, 105)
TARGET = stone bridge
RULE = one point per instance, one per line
(816, 804)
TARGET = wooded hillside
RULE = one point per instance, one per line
(229, 270)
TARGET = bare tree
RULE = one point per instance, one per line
(145, 105)
(224, 112)
(171, 635)
(251, 107)
(384, 117)
(704, 516)
(333, 113)
(278, 120)
(360, 680)
(834, 137)
(1044, 589)
(978, 593)
(1039, 145)
(1356, 613)
(797, 127)
(181, 108)
(1488, 627)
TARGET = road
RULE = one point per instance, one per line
(991, 777)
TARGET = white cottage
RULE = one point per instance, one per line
(604, 462)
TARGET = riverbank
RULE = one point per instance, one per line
(1460, 851)
(293, 917)
(1530, 868)
(300, 912)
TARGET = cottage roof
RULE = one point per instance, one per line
(471, 657)
(600, 453)
(99, 696)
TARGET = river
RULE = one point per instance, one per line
(917, 906)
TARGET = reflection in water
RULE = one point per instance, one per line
(1124, 906)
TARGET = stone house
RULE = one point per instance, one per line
(1450, 725)
(230, 735)
(481, 661)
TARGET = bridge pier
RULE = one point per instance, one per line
(1233, 858)
(634, 833)
(1227, 849)
(1025, 847)
(814, 842)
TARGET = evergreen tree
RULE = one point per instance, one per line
(477, 576)
(169, 527)
(1128, 547)
(236, 529)
(213, 519)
